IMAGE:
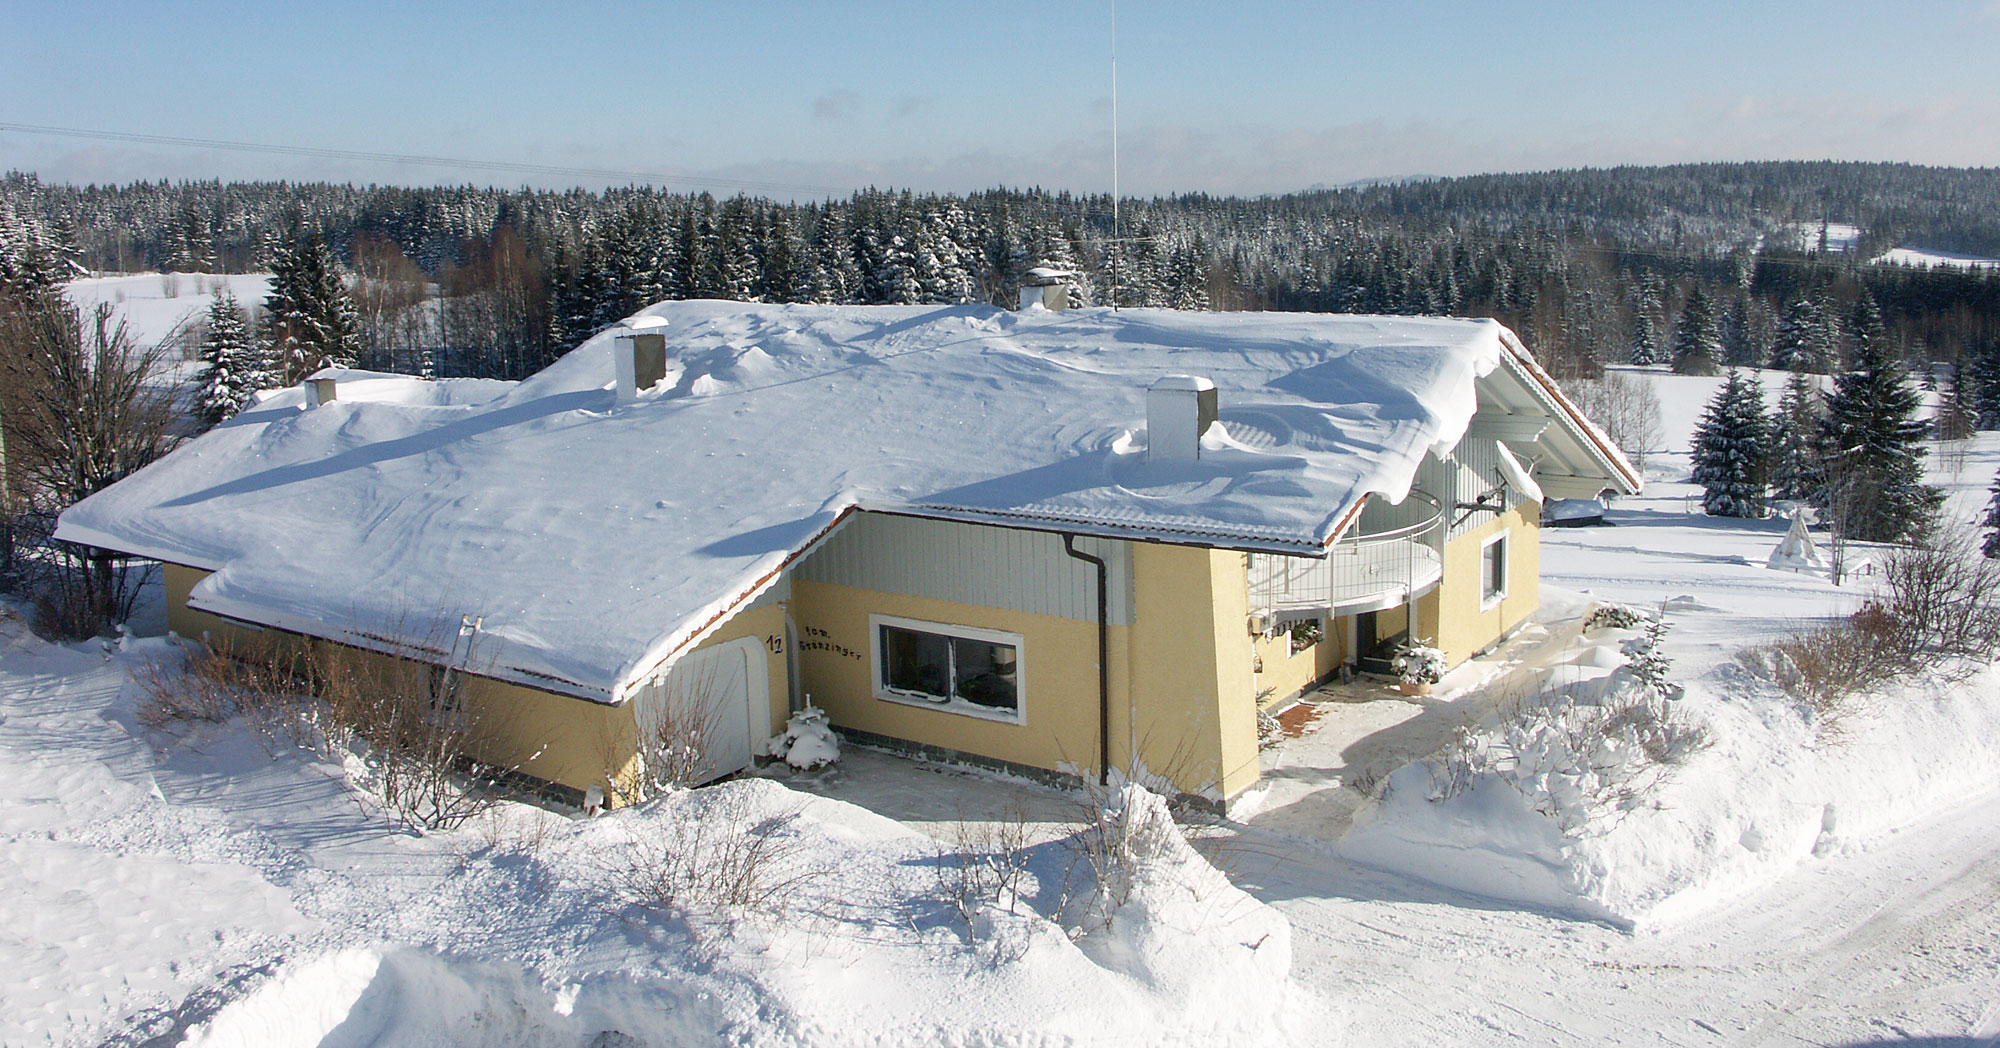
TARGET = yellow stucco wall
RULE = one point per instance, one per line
(1455, 614)
(1181, 684)
(563, 739)
(1285, 673)
(1192, 705)
(1057, 676)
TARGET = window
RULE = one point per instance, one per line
(1493, 570)
(958, 668)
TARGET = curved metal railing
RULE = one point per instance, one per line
(1362, 571)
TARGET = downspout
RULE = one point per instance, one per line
(1103, 659)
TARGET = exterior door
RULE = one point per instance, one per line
(718, 698)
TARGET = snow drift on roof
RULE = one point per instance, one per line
(598, 539)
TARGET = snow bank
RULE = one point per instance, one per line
(203, 888)
(1182, 929)
(399, 997)
(1531, 809)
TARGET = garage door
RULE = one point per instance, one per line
(718, 700)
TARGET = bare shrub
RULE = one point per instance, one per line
(82, 412)
(412, 718)
(985, 863)
(219, 681)
(676, 723)
(1940, 602)
(421, 733)
(715, 854)
(1825, 666)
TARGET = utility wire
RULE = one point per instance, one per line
(1811, 259)
(409, 158)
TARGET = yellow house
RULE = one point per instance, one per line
(1075, 542)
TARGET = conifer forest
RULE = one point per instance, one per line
(1699, 266)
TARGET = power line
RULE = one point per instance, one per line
(419, 159)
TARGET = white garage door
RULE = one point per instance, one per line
(719, 698)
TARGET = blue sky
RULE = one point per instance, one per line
(820, 98)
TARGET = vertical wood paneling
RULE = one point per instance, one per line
(972, 564)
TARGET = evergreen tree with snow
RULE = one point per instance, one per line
(1957, 416)
(29, 266)
(1804, 341)
(1796, 472)
(1697, 345)
(1875, 449)
(1732, 446)
(232, 363)
(1646, 323)
(1991, 545)
(309, 318)
(1741, 346)
(1864, 323)
(1985, 391)
(1187, 287)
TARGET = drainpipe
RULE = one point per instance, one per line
(1103, 660)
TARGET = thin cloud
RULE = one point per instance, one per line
(836, 105)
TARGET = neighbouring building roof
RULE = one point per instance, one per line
(596, 540)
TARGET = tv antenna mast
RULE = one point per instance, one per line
(1116, 250)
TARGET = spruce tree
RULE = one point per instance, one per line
(1985, 390)
(232, 364)
(1957, 416)
(1731, 449)
(1875, 448)
(1646, 322)
(1804, 340)
(1864, 324)
(1991, 545)
(1696, 344)
(309, 318)
(1796, 470)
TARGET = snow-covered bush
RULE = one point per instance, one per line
(1269, 731)
(808, 741)
(986, 865)
(1419, 664)
(1615, 616)
(1160, 913)
(1575, 758)
(731, 848)
(1648, 657)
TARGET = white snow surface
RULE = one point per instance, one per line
(596, 540)
(1924, 259)
(151, 313)
(198, 887)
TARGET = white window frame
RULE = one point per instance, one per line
(1489, 598)
(961, 707)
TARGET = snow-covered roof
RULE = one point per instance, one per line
(597, 540)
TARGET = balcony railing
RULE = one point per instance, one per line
(1362, 571)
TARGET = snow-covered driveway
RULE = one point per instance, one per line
(1897, 942)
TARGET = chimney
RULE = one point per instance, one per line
(1179, 409)
(1043, 288)
(320, 390)
(640, 357)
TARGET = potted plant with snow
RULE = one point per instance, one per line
(1418, 667)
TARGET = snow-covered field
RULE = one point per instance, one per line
(199, 888)
(156, 307)
(1922, 259)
